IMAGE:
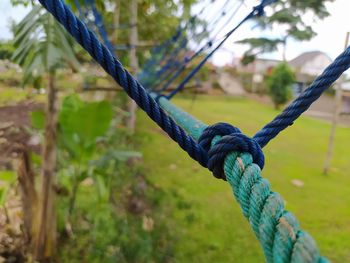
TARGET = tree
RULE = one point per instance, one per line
(279, 84)
(42, 47)
(287, 15)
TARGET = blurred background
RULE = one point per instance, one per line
(85, 176)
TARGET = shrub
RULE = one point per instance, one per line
(279, 84)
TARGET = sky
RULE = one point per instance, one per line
(331, 34)
(330, 37)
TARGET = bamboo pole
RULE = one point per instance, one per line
(133, 38)
(337, 111)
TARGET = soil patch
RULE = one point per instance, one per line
(15, 133)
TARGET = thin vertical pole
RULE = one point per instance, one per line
(337, 110)
(133, 38)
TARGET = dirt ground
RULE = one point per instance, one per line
(15, 132)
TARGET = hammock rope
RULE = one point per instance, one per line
(222, 148)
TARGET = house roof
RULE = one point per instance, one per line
(305, 57)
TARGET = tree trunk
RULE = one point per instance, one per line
(131, 122)
(28, 194)
(45, 242)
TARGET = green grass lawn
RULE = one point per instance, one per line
(209, 225)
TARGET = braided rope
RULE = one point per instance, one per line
(277, 230)
(113, 67)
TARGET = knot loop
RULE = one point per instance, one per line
(219, 129)
(233, 140)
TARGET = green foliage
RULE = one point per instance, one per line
(110, 206)
(112, 231)
(257, 46)
(38, 120)
(7, 178)
(288, 14)
(42, 46)
(82, 123)
(6, 49)
(279, 84)
(22, 2)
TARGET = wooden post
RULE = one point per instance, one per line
(337, 111)
(133, 38)
(45, 230)
(116, 21)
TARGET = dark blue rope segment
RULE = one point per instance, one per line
(112, 66)
(304, 101)
(257, 11)
(100, 26)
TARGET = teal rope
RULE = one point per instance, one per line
(191, 125)
(277, 230)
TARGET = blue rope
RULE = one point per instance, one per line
(304, 101)
(100, 26)
(172, 64)
(163, 48)
(183, 67)
(257, 11)
(132, 87)
(173, 69)
(209, 44)
(78, 6)
(151, 79)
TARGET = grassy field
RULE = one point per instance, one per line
(209, 224)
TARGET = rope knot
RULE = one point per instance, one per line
(259, 10)
(233, 140)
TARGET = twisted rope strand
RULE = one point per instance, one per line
(304, 101)
(277, 230)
